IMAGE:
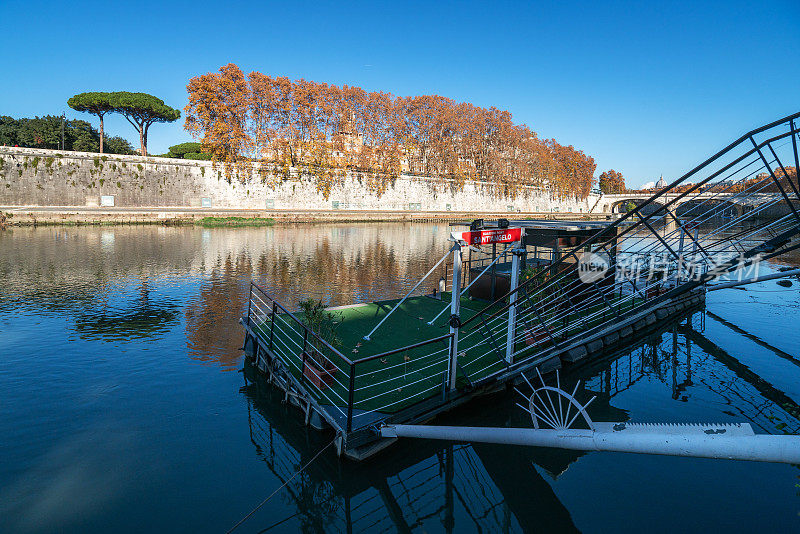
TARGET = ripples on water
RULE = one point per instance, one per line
(123, 407)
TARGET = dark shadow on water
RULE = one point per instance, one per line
(429, 485)
(135, 324)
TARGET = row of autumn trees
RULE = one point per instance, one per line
(764, 183)
(326, 130)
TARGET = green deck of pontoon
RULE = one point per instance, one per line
(389, 384)
(407, 325)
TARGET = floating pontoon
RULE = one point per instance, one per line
(512, 298)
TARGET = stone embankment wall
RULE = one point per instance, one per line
(34, 177)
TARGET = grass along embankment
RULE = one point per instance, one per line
(240, 218)
(8, 219)
(232, 222)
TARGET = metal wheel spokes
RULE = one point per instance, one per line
(554, 406)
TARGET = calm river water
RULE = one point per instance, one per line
(124, 406)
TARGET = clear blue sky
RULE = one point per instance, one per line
(644, 88)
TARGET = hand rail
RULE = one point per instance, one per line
(401, 349)
(302, 324)
(308, 349)
(636, 212)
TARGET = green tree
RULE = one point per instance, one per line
(180, 150)
(85, 142)
(119, 145)
(197, 155)
(190, 150)
(95, 103)
(8, 131)
(142, 110)
(46, 132)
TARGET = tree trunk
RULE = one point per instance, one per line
(145, 128)
(101, 134)
(141, 141)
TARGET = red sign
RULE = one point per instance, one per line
(495, 235)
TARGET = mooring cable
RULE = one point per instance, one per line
(254, 510)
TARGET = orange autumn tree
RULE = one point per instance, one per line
(219, 114)
(611, 181)
(328, 131)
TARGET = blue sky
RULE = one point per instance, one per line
(644, 88)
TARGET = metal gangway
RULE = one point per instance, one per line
(674, 242)
(677, 241)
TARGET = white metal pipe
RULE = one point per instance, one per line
(455, 311)
(407, 295)
(512, 304)
(753, 280)
(701, 441)
(502, 254)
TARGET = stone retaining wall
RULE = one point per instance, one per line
(33, 177)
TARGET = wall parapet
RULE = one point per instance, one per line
(41, 177)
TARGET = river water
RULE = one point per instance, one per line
(125, 405)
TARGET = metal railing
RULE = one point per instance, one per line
(554, 305)
(312, 361)
(354, 393)
(747, 174)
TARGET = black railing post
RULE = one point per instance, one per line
(350, 397)
(305, 340)
(249, 303)
(272, 324)
(796, 157)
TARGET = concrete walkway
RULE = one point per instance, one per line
(129, 215)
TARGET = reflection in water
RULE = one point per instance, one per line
(88, 272)
(135, 318)
(422, 486)
(181, 290)
(339, 265)
(427, 485)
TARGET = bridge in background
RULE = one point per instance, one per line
(728, 204)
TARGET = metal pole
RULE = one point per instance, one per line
(249, 303)
(463, 291)
(679, 270)
(350, 397)
(774, 179)
(272, 324)
(449, 516)
(494, 276)
(409, 294)
(796, 159)
(720, 441)
(512, 309)
(455, 321)
(772, 276)
(348, 515)
(303, 354)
